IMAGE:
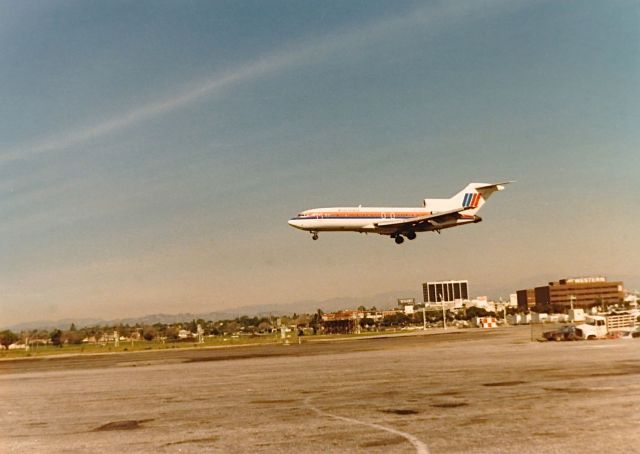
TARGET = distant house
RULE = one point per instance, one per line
(391, 313)
(107, 338)
(376, 316)
(35, 342)
(17, 346)
(342, 315)
(342, 322)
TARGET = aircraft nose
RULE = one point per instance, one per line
(295, 222)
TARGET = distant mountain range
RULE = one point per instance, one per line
(380, 301)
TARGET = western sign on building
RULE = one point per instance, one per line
(582, 292)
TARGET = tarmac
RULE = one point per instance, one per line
(471, 391)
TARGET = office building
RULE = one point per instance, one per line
(445, 291)
(559, 296)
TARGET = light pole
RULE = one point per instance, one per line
(444, 316)
(504, 310)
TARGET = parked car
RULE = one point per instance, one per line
(566, 333)
(633, 333)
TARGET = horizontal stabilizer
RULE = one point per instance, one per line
(498, 186)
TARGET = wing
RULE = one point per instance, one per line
(421, 222)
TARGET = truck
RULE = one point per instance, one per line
(595, 327)
(601, 326)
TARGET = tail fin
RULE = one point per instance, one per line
(472, 197)
(476, 194)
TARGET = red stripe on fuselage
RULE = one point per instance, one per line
(367, 214)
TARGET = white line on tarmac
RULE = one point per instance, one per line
(421, 447)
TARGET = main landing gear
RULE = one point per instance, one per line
(399, 239)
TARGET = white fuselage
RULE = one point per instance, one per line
(361, 219)
(400, 222)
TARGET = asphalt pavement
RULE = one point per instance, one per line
(465, 391)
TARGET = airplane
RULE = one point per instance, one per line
(434, 215)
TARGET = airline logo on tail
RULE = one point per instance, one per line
(471, 200)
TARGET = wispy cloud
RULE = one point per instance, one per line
(435, 17)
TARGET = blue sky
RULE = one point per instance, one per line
(152, 152)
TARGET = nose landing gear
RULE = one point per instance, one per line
(314, 235)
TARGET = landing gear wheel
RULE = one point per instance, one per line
(399, 239)
(411, 235)
(314, 236)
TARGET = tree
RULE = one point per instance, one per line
(303, 320)
(172, 333)
(7, 338)
(161, 329)
(56, 337)
(367, 322)
(123, 330)
(398, 319)
(149, 333)
(474, 311)
(72, 337)
(316, 321)
(264, 326)
(230, 327)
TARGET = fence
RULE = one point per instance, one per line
(620, 322)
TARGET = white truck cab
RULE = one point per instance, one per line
(595, 327)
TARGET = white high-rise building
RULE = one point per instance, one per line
(437, 292)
